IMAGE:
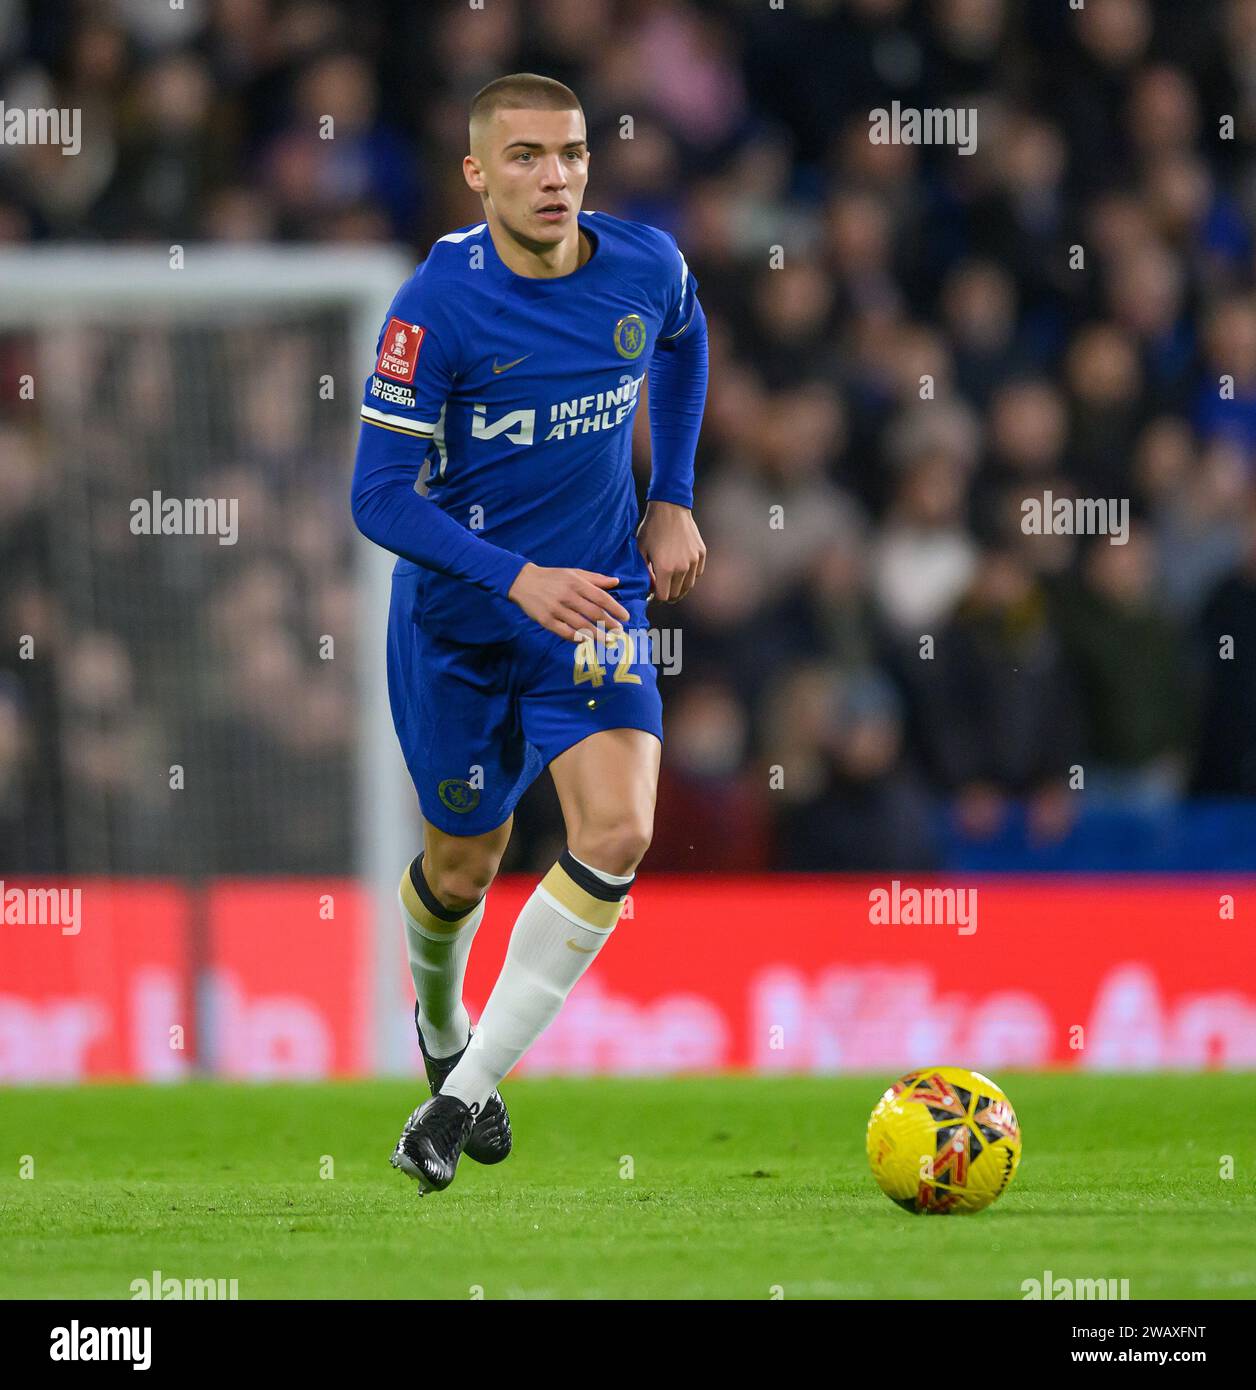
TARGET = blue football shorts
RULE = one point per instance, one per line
(478, 723)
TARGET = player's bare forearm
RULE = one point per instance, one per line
(673, 548)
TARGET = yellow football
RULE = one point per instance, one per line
(943, 1140)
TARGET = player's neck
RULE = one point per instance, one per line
(540, 262)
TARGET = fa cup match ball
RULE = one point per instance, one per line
(943, 1140)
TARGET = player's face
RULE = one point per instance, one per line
(531, 167)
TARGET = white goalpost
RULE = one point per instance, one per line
(203, 333)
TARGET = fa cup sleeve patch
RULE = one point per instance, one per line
(399, 352)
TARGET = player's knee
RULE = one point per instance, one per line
(615, 847)
(462, 883)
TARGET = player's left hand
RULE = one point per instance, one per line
(673, 549)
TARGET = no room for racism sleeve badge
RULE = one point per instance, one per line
(399, 352)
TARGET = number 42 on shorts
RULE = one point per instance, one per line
(588, 668)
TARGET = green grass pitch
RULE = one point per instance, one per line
(738, 1187)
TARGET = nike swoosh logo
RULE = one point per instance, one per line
(584, 950)
(497, 370)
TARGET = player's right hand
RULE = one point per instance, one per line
(572, 603)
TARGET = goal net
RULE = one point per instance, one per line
(197, 628)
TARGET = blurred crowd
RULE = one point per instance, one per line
(170, 703)
(906, 344)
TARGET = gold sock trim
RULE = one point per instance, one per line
(595, 913)
(415, 906)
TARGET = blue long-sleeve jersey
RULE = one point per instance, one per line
(497, 424)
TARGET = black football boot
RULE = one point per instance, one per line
(433, 1141)
(491, 1138)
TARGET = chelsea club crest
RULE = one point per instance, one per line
(630, 336)
(458, 794)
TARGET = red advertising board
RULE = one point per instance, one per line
(794, 974)
(93, 981)
(286, 984)
(768, 973)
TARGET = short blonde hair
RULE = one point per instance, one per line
(522, 91)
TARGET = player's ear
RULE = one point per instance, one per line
(472, 172)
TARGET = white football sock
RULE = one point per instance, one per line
(562, 927)
(438, 947)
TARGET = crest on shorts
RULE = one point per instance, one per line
(630, 336)
(458, 794)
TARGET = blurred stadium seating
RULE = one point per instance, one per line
(1098, 128)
